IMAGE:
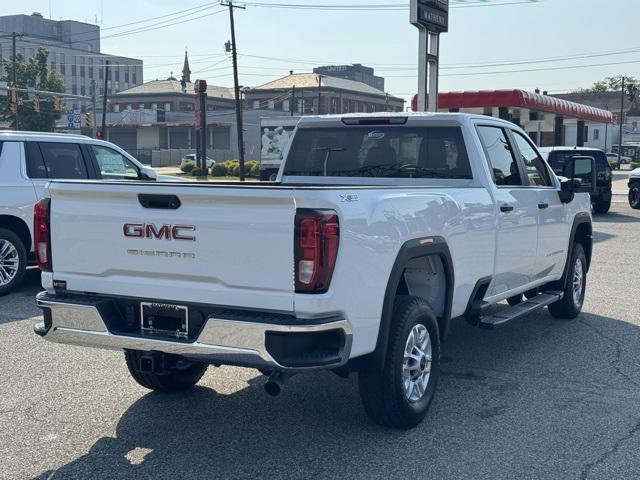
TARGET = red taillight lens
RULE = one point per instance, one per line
(42, 234)
(317, 237)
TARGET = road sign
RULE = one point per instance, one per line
(430, 14)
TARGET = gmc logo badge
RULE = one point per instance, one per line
(165, 232)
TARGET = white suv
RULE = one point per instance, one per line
(28, 160)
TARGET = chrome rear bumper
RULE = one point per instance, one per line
(221, 341)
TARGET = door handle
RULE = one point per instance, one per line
(506, 208)
(542, 206)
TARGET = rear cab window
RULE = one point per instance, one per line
(379, 152)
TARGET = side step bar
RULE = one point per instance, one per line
(511, 313)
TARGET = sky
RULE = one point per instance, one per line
(482, 33)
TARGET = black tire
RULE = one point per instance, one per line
(568, 308)
(383, 392)
(10, 240)
(602, 206)
(634, 196)
(515, 300)
(179, 378)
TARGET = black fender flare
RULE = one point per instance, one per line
(412, 249)
(581, 218)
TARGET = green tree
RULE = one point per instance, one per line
(32, 73)
(610, 84)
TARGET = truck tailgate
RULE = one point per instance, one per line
(105, 241)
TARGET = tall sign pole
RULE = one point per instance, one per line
(200, 88)
(431, 17)
(103, 130)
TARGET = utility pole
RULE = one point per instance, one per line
(103, 130)
(234, 54)
(621, 123)
(293, 100)
(94, 102)
(15, 82)
(319, 93)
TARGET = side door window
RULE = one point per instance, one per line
(500, 156)
(113, 165)
(534, 164)
(63, 161)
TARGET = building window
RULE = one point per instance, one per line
(117, 75)
(271, 105)
(100, 72)
(286, 105)
(142, 106)
(126, 76)
(63, 69)
(74, 89)
(83, 90)
(134, 78)
(256, 104)
(81, 71)
(154, 106)
(74, 70)
(116, 108)
(596, 134)
(167, 107)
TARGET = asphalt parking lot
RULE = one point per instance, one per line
(539, 398)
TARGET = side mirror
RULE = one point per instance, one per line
(148, 174)
(580, 173)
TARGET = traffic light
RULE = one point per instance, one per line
(57, 103)
(36, 103)
(89, 119)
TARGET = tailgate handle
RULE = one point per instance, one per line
(159, 202)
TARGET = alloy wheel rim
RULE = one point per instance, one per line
(9, 262)
(416, 365)
(578, 282)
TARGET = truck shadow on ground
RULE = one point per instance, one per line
(483, 415)
(21, 302)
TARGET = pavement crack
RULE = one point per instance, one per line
(615, 364)
(586, 469)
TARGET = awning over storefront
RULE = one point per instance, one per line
(521, 99)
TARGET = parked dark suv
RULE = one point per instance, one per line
(557, 157)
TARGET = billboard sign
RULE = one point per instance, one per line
(430, 14)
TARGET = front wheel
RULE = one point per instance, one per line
(400, 394)
(575, 286)
(13, 261)
(180, 376)
(634, 196)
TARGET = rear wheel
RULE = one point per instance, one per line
(180, 376)
(634, 196)
(13, 261)
(602, 206)
(400, 394)
(575, 286)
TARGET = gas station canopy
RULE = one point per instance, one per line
(521, 99)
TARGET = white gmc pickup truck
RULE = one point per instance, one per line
(380, 230)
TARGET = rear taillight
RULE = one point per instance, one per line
(42, 234)
(317, 237)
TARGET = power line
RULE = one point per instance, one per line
(380, 6)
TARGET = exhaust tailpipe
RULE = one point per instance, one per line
(274, 385)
